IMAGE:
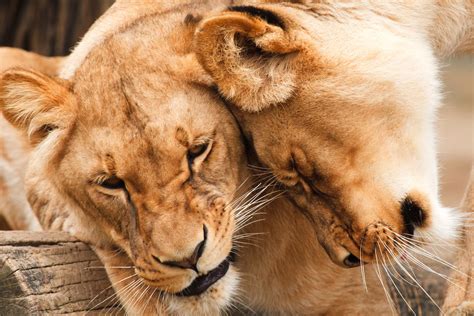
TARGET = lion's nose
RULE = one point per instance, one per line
(191, 262)
(413, 215)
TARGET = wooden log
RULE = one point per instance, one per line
(51, 273)
(460, 298)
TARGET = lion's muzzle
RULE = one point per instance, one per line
(203, 282)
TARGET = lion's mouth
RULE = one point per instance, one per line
(203, 282)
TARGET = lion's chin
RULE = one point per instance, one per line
(212, 302)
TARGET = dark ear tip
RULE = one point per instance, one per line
(192, 19)
(263, 14)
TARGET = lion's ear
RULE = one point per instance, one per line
(248, 53)
(35, 103)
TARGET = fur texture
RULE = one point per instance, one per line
(14, 150)
(354, 115)
(102, 123)
(135, 118)
(116, 161)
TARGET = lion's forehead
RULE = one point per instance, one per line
(151, 110)
(124, 16)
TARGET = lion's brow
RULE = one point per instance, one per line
(132, 109)
(182, 136)
(109, 163)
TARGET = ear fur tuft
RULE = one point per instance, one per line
(33, 102)
(249, 58)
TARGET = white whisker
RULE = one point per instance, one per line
(110, 286)
(379, 275)
(389, 275)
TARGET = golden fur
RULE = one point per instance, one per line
(135, 118)
(352, 122)
(152, 123)
(14, 150)
(81, 121)
(338, 100)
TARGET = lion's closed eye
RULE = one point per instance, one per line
(109, 184)
(196, 150)
(198, 153)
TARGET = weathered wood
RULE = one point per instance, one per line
(460, 299)
(50, 273)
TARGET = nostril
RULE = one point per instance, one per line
(413, 215)
(191, 262)
(351, 261)
(198, 251)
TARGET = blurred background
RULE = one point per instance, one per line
(52, 27)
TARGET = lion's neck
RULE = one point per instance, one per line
(452, 27)
(448, 25)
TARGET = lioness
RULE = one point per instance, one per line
(138, 157)
(290, 274)
(349, 91)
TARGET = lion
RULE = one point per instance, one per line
(346, 113)
(140, 158)
(337, 100)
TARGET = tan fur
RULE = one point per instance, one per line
(14, 57)
(14, 149)
(96, 127)
(351, 137)
(136, 120)
(134, 117)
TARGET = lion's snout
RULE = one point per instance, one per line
(189, 262)
(373, 243)
(380, 241)
(376, 230)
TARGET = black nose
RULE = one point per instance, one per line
(413, 215)
(191, 262)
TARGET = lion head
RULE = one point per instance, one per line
(343, 119)
(137, 155)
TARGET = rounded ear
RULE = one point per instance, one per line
(35, 103)
(249, 55)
